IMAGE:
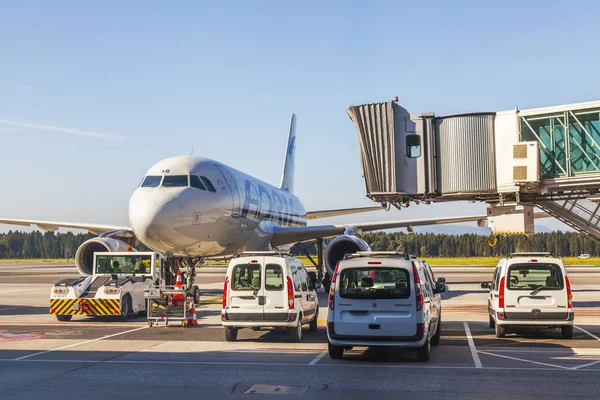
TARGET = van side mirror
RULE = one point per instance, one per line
(441, 281)
(486, 285)
(440, 288)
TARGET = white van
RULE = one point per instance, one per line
(530, 289)
(268, 290)
(383, 299)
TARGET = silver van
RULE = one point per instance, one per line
(384, 299)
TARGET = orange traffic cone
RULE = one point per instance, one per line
(192, 319)
(178, 298)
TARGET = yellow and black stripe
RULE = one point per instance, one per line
(85, 306)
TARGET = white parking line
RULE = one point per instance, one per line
(318, 358)
(278, 364)
(78, 344)
(19, 290)
(522, 360)
(474, 354)
(589, 333)
(587, 365)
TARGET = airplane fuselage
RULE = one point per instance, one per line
(236, 214)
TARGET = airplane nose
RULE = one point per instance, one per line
(154, 218)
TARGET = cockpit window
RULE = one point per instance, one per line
(195, 182)
(175, 181)
(208, 184)
(151, 181)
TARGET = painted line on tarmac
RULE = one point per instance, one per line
(79, 344)
(72, 324)
(522, 360)
(474, 354)
(589, 333)
(20, 290)
(587, 365)
(274, 364)
(318, 358)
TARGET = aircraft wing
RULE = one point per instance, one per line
(96, 229)
(342, 211)
(288, 235)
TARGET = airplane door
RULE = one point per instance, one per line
(233, 188)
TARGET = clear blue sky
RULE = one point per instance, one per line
(225, 79)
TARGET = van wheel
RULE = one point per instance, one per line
(500, 331)
(567, 332)
(64, 318)
(231, 334)
(335, 352)
(296, 332)
(435, 340)
(424, 351)
(314, 322)
(492, 323)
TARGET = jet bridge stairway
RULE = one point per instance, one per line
(580, 214)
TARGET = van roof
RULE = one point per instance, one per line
(378, 254)
(263, 254)
(532, 254)
(375, 262)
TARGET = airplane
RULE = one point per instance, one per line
(196, 208)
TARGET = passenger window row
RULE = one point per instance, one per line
(195, 181)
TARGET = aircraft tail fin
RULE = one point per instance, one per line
(287, 177)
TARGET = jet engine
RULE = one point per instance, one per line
(339, 247)
(84, 258)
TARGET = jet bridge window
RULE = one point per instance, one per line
(152, 181)
(208, 184)
(195, 182)
(413, 146)
(175, 181)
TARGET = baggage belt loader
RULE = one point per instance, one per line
(115, 289)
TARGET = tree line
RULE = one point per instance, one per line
(40, 245)
(472, 245)
(64, 245)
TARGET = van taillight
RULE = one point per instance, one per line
(290, 290)
(330, 300)
(330, 328)
(501, 294)
(420, 328)
(569, 293)
(418, 290)
(225, 292)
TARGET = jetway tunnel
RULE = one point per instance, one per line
(546, 157)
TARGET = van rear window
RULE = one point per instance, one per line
(374, 283)
(273, 277)
(535, 276)
(246, 277)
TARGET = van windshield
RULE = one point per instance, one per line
(374, 283)
(535, 276)
(246, 277)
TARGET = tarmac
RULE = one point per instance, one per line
(41, 357)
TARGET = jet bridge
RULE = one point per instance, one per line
(513, 160)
